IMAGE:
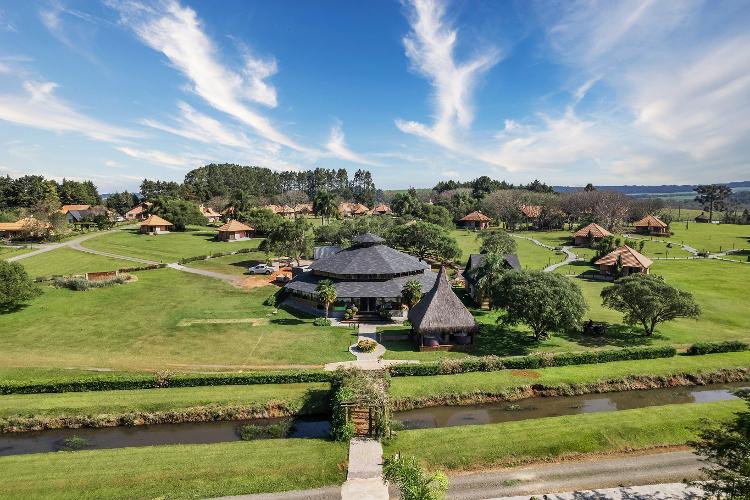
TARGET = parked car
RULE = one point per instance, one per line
(260, 269)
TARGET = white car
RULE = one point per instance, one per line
(261, 269)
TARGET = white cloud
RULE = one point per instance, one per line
(430, 48)
(161, 158)
(40, 108)
(55, 16)
(337, 146)
(176, 32)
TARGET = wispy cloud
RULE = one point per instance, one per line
(337, 146)
(176, 32)
(5, 24)
(77, 35)
(169, 160)
(430, 47)
(40, 108)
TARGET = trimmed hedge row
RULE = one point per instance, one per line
(716, 347)
(534, 361)
(163, 380)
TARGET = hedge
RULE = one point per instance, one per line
(715, 347)
(534, 361)
(214, 255)
(162, 380)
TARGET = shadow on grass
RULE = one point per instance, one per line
(244, 264)
(617, 336)
(12, 309)
(287, 321)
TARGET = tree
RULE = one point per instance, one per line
(435, 214)
(545, 302)
(324, 205)
(326, 293)
(424, 240)
(649, 300)
(489, 272)
(121, 203)
(726, 447)
(411, 293)
(179, 212)
(290, 238)
(15, 286)
(263, 220)
(412, 481)
(712, 197)
(589, 187)
(496, 241)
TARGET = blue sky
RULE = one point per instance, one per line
(625, 92)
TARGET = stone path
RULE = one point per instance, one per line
(367, 360)
(364, 478)
(570, 256)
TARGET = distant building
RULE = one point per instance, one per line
(138, 212)
(381, 209)
(84, 215)
(475, 220)
(475, 261)
(155, 225)
(651, 225)
(702, 217)
(303, 209)
(234, 230)
(353, 209)
(67, 208)
(210, 214)
(531, 212)
(630, 260)
(592, 232)
(22, 228)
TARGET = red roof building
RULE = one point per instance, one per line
(234, 230)
(592, 232)
(475, 220)
(630, 260)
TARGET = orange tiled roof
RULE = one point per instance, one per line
(209, 212)
(650, 221)
(155, 220)
(22, 224)
(476, 216)
(67, 208)
(630, 258)
(138, 209)
(595, 229)
(234, 226)
(532, 211)
(381, 208)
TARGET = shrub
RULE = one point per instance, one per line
(271, 301)
(715, 347)
(366, 345)
(322, 322)
(74, 443)
(363, 389)
(276, 430)
(82, 284)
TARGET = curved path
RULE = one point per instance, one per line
(47, 247)
(570, 256)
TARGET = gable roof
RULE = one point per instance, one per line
(630, 258)
(476, 215)
(381, 208)
(67, 208)
(234, 226)
(140, 208)
(595, 229)
(155, 220)
(650, 221)
(440, 310)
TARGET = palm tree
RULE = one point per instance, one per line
(411, 292)
(488, 274)
(326, 293)
(324, 205)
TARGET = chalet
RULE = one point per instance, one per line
(589, 234)
(440, 321)
(138, 212)
(702, 218)
(234, 230)
(353, 209)
(67, 208)
(303, 209)
(381, 209)
(23, 228)
(155, 225)
(469, 275)
(475, 220)
(210, 214)
(630, 260)
(651, 225)
(368, 274)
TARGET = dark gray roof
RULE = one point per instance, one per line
(440, 310)
(306, 283)
(368, 259)
(477, 259)
(324, 251)
(368, 238)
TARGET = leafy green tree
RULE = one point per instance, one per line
(407, 203)
(490, 272)
(545, 302)
(411, 293)
(413, 482)
(78, 193)
(325, 206)
(436, 214)
(179, 212)
(262, 220)
(726, 448)
(425, 240)
(712, 197)
(15, 286)
(326, 293)
(291, 238)
(649, 300)
(122, 202)
(496, 241)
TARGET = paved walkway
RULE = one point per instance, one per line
(367, 360)
(211, 274)
(569, 255)
(364, 478)
(47, 247)
(670, 491)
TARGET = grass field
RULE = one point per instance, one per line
(231, 264)
(711, 237)
(7, 252)
(504, 380)
(554, 438)
(137, 326)
(531, 256)
(166, 247)
(64, 261)
(155, 400)
(176, 471)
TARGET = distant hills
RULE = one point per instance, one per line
(652, 190)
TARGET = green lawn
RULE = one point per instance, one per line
(158, 323)
(467, 242)
(7, 252)
(532, 256)
(711, 237)
(175, 471)
(165, 247)
(504, 380)
(65, 261)
(231, 264)
(156, 400)
(554, 438)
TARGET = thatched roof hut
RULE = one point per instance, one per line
(441, 316)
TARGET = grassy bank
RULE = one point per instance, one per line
(64, 261)
(231, 264)
(175, 472)
(554, 438)
(416, 390)
(20, 412)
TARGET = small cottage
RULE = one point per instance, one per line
(234, 230)
(303, 209)
(440, 321)
(381, 209)
(155, 225)
(138, 212)
(625, 257)
(589, 234)
(23, 228)
(651, 225)
(210, 214)
(702, 218)
(475, 220)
